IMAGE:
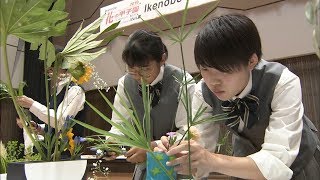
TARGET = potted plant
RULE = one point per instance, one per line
(35, 21)
(13, 152)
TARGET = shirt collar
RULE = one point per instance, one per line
(159, 77)
(246, 90)
(61, 84)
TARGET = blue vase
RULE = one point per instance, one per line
(155, 170)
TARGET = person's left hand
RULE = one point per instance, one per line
(25, 101)
(202, 161)
(136, 155)
(19, 122)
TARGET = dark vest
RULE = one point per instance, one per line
(163, 114)
(78, 130)
(265, 77)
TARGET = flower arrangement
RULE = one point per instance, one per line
(35, 21)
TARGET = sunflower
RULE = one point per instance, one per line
(81, 73)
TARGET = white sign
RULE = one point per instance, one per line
(128, 12)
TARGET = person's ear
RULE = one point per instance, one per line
(253, 61)
(163, 59)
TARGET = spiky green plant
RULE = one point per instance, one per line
(137, 134)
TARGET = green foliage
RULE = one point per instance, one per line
(224, 145)
(84, 40)
(31, 21)
(15, 153)
(4, 93)
(135, 133)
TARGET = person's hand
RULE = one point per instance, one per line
(202, 161)
(25, 101)
(19, 122)
(110, 155)
(136, 155)
(35, 127)
(162, 145)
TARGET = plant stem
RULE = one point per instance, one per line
(56, 155)
(189, 114)
(47, 103)
(12, 93)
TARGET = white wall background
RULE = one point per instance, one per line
(282, 26)
(17, 72)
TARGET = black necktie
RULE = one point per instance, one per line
(244, 109)
(155, 92)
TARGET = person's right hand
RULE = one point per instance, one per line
(162, 145)
(35, 127)
(25, 101)
(202, 161)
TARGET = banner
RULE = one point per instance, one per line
(128, 12)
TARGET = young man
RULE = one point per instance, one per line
(272, 139)
(145, 56)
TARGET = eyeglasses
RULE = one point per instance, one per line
(140, 71)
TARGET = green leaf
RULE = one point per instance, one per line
(34, 46)
(71, 60)
(29, 20)
(184, 17)
(215, 118)
(50, 50)
(173, 32)
(81, 35)
(126, 123)
(85, 40)
(156, 29)
(199, 20)
(20, 89)
(59, 5)
(121, 129)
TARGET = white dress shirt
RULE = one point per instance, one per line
(181, 115)
(282, 136)
(72, 103)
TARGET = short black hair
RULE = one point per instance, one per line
(143, 46)
(227, 42)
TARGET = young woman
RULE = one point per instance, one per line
(145, 56)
